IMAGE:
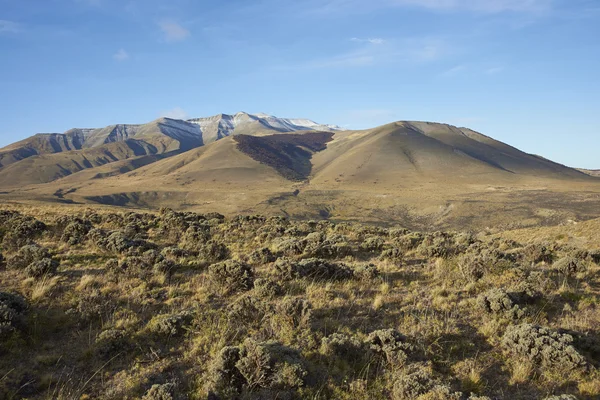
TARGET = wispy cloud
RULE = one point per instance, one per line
(404, 51)
(9, 26)
(121, 55)
(370, 40)
(173, 31)
(337, 7)
(175, 113)
(485, 6)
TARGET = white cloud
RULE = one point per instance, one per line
(175, 113)
(121, 55)
(370, 41)
(9, 26)
(173, 31)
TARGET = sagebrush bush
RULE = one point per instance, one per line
(297, 311)
(372, 244)
(498, 301)
(346, 347)
(570, 265)
(40, 268)
(232, 276)
(34, 260)
(170, 324)
(270, 365)
(266, 367)
(166, 391)
(312, 268)
(391, 345)
(111, 341)
(538, 252)
(27, 255)
(76, 231)
(261, 256)
(267, 288)
(542, 346)
(12, 310)
(290, 247)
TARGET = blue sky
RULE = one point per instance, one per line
(526, 72)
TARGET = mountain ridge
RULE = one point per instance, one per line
(424, 174)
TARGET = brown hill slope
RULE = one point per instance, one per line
(591, 172)
(423, 175)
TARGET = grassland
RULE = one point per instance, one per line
(123, 305)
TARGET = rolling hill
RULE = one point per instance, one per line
(424, 175)
(44, 158)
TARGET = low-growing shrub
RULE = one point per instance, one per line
(34, 260)
(12, 311)
(570, 265)
(290, 247)
(261, 256)
(40, 268)
(372, 244)
(346, 347)
(393, 254)
(111, 341)
(27, 255)
(76, 231)
(366, 271)
(213, 251)
(267, 288)
(538, 252)
(312, 268)
(259, 367)
(391, 345)
(165, 391)
(298, 312)
(542, 346)
(170, 324)
(499, 302)
(232, 276)
(418, 382)
(270, 365)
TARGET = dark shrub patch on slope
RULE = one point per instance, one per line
(288, 154)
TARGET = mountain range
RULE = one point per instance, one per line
(419, 173)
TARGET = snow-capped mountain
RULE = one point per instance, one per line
(164, 135)
(222, 125)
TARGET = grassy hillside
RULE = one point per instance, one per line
(97, 304)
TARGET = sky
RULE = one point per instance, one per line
(526, 72)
